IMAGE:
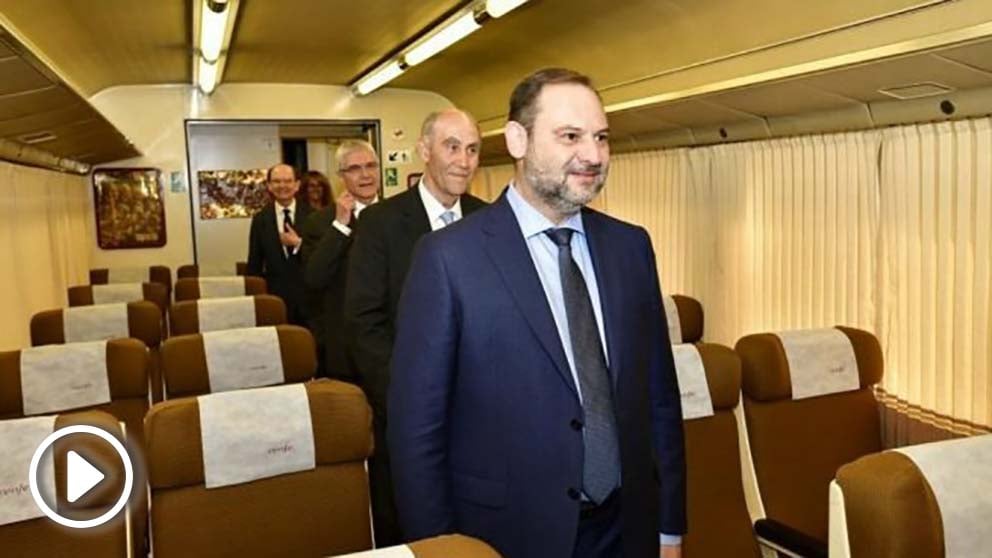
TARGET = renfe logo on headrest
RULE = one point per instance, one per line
(281, 450)
(15, 489)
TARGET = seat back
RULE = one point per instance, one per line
(444, 546)
(127, 364)
(187, 373)
(715, 494)
(154, 274)
(40, 536)
(241, 268)
(83, 295)
(685, 319)
(188, 271)
(317, 512)
(144, 322)
(184, 317)
(930, 500)
(189, 289)
(798, 444)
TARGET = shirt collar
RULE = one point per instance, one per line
(359, 206)
(433, 207)
(291, 207)
(533, 222)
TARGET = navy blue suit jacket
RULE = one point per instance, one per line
(483, 407)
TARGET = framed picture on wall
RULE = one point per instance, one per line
(130, 208)
(232, 194)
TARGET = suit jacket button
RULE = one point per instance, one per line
(573, 494)
(576, 424)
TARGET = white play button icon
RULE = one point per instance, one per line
(81, 477)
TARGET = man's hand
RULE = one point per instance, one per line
(671, 551)
(344, 205)
(289, 238)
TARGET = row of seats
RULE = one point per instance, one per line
(770, 461)
(284, 512)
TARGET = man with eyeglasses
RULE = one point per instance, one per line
(274, 245)
(449, 145)
(327, 241)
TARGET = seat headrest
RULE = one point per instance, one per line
(157, 293)
(723, 374)
(188, 271)
(127, 374)
(446, 546)
(143, 319)
(184, 360)
(690, 317)
(341, 421)
(189, 288)
(184, 316)
(766, 375)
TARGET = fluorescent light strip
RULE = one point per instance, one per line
(497, 8)
(444, 37)
(207, 76)
(378, 78)
(212, 27)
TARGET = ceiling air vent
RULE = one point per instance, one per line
(916, 90)
(38, 137)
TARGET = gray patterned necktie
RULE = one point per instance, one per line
(601, 463)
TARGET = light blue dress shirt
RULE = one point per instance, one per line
(544, 254)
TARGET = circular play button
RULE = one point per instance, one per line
(81, 476)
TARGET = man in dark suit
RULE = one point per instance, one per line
(533, 400)
(449, 145)
(274, 245)
(327, 241)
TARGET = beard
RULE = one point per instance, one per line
(552, 185)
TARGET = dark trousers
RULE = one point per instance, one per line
(599, 534)
(384, 517)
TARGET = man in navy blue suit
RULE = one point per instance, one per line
(534, 402)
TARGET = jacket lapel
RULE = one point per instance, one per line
(609, 285)
(415, 216)
(508, 250)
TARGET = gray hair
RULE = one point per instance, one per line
(348, 146)
(427, 128)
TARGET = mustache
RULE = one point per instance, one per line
(585, 168)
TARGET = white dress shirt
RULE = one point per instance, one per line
(281, 219)
(359, 207)
(435, 209)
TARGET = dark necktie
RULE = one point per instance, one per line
(287, 222)
(601, 462)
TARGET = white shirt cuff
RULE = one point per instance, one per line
(345, 229)
(671, 540)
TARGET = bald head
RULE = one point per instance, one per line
(449, 145)
(452, 113)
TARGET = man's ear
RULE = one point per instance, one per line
(516, 139)
(423, 150)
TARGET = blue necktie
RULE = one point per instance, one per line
(448, 217)
(601, 461)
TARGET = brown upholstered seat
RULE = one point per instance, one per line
(690, 318)
(798, 445)
(188, 271)
(144, 323)
(42, 536)
(445, 546)
(241, 268)
(720, 525)
(156, 274)
(184, 316)
(184, 362)
(153, 292)
(189, 289)
(320, 512)
(890, 509)
(128, 364)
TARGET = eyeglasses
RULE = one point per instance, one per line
(372, 167)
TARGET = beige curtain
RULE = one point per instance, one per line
(936, 252)
(767, 235)
(45, 242)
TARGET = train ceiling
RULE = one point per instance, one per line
(666, 68)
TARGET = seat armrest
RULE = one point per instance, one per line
(788, 540)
